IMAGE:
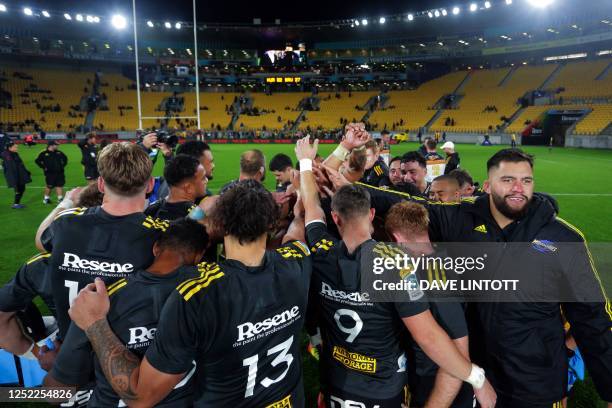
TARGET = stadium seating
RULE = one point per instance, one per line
(216, 104)
(596, 121)
(277, 105)
(65, 88)
(332, 109)
(578, 79)
(483, 89)
(414, 107)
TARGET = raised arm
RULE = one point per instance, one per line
(136, 382)
(306, 153)
(355, 137)
(67, 202)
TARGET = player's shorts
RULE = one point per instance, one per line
(423, 386)
(91, 173)
(343, 399)
(55, 180)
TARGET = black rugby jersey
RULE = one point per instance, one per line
(242, 325)
(361, 351)
(164, 210)
(87, 243)
(136, 303)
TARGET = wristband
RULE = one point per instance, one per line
(476, 377)
(341, 153)
(305, 165)
(66, 204)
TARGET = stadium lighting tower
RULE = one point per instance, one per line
(67, 16)
(382, 20)
(540, 3)
(46, 14)
(167, 24)
(150, 24)
(27, 11)
(473, 7)
(456, 10)
(119, 22)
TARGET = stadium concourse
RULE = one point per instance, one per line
(401, 210)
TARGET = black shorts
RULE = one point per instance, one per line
(55, 180)
(420, 390)
(91, 173)
(342, 399)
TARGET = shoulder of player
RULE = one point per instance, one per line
(116, 286)
(155, 223)
(563, 231)
(386, 250)
(38, 258)
(395, 193)
(210, 277)
(293, 250)
(70, 213)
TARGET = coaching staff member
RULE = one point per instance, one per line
(90, 155)
(15, 172)
(53, 162)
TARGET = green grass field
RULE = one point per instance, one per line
(581, 180)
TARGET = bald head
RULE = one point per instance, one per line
(445, 189)
(252, 165)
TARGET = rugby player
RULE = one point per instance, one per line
(240, 320)
(135, 305)
(361, 359)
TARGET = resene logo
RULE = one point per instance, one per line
(248, 330)
(74, 261)
(327, 291)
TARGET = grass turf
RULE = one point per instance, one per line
(578, 178)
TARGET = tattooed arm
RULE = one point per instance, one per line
(137, 383)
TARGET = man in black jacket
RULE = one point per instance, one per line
(15, 172)
(53, 162)
(452, 157)
(90, 155)
(521, 343)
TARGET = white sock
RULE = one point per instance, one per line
(46, 197)
(60, 198)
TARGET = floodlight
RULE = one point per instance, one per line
(487, 4)
(167, 24)
(96, 19)
(89, 19)
(27, 11)
(67, 16)
(364, 22)
(473, 7)
(119, 22)
(410, 17)
(508, 2)
(178, 26)
(150, 24)
(382, 20)
(429, 14)
(46, 14)
(444, 12)
(456, 10)
(2, 8)
(437, 13)
(79, 17)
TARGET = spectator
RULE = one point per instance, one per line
(53, 162)
(89, 153)
(452, 157)
(15, 172)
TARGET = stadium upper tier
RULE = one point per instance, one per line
(333, 109)
(276, 111)
(580, 79)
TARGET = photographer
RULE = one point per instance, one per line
(155, 142)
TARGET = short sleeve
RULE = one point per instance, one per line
(451, 317)
(409, 309)
(74, 362)
(16, 294)
(316, 232)
(177, 338)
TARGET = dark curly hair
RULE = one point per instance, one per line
(246, 211)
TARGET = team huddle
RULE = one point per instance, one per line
(203, 300)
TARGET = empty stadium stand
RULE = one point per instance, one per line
(579, 79)
(282, 107)
(333, 109)
(596, 121)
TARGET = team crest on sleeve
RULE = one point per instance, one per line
(156, 223)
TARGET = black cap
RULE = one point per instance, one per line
(51, 143)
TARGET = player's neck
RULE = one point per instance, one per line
(165, 265)
(501, 220)
(354, 235)
(250, 254)
(177, 196)
(119, 206)
(422, 186)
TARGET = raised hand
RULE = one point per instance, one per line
(305, 150)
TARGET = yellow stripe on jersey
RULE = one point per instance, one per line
(38, 257)
(203, 284)
(289, 252)
(608, 306)
(301, 247)
(156, 223)
(205, 272)
(112, 285)
(71, 211)
(119, 284)
(378, 170)
(323, 244)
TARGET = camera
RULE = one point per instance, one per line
(168, 139)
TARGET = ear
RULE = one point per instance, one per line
(372, 214)
(150, 185)
(398, 236)
(336, 218)
(486, 186)
(101, 184)
(156, 250)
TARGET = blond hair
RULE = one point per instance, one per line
(125, 168)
